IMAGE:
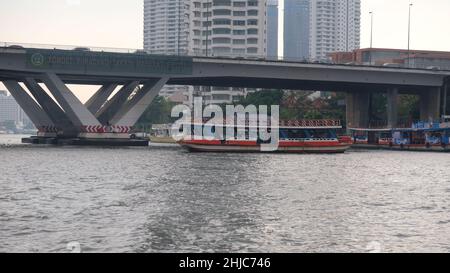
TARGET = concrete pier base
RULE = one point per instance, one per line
(62, 119)
(47, 135)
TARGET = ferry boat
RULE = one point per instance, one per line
(422, 136)
(311, 136)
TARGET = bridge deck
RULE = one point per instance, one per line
(78, 67)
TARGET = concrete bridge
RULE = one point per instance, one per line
(141, 76)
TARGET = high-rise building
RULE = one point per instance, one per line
(228, 27)
(272, 28)
(166, 26)
(206, 28)
(334, 26)
(11, 111)
(296, 29)
(166, 32)
(232, 28)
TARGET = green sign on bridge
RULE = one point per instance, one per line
(87, 61)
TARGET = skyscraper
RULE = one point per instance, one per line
(272, 28)
(206, 28)
(228, 28)
(166, 26)
(166, 31)
(296, 29)
(335, 26)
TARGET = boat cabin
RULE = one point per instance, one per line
(296, 132)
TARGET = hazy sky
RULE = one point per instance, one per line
(103, 23)
(119, 23)
(430, 21)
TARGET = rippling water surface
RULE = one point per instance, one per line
(163, 199)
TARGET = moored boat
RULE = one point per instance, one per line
(294, 137)
(422, 136)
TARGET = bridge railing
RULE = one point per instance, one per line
(67, 47)
(129, 50)
(198, 55)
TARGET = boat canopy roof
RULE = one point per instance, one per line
(400, 130)
(290, 125)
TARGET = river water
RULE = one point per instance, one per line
(163, 199)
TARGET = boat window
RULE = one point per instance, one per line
(436, 134)
(418, 137)
(435, 137)
(284, 134)
(445, 137)
(322, 133)
(295, 133)
(360, 134)
(385, 135)
(332, 134)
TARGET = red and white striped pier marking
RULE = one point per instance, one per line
(99, 129)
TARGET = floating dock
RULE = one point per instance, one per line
(86, 142)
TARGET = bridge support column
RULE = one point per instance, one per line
(112, 106)
(392, 107)
(133, 109)
(78, 114)
(33, 110)
(444, 99)
(430, 104)
(100, 97)
(56, 114)
(357, 109)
